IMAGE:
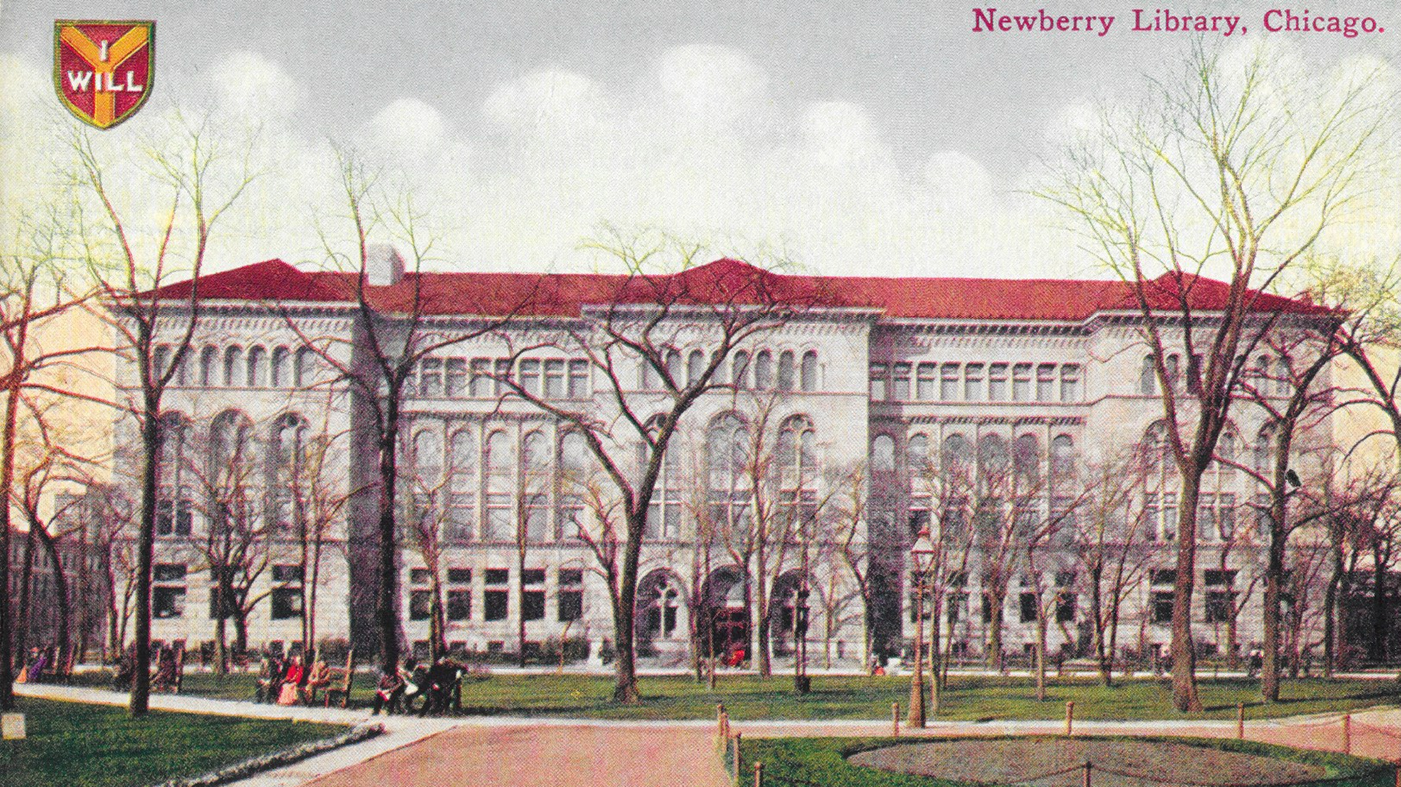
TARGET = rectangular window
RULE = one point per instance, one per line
(459, 605)
(420, 604)
(1264, 518)
(925, 375)
(481, 378)
(1065, 608)
(499, 520)
(167, 601)
(1226, 516)
(1021, 382)
(973, 382)
(578, 379)
(878, 382)
(1029, 608)
(430, 378)
(900, 388)
(533, 604)
(501, 372)
(1046, 382)
(461, 514)
(554, 379)
(1206, 517)
(997, 382)
(459, 576)
(1070, 382)
(533, 576)
(287, 573)
(571, 594)
(1219, 606)
(456, 377)
(1170, 516)
(286, 603)
(537, 518)
(1162, 607)
(530, 376)
(571, 516)
(948, 382)
(1162, 576)
(497, 604)
(168, 572)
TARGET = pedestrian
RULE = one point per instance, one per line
(389, 690)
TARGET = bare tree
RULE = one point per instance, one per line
(202, 178)
(1229, 169)
(631, 341)
(394, 332)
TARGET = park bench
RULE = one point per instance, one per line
(341, 680)
(172, 681)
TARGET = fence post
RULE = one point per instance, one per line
(1347, 733)
(736, 760)
(1088, 767)
(1069, 717)
(1240, 721)
(758, 774)
(895, 719)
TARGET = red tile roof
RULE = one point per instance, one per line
(726, 280)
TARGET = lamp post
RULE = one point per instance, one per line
(921, 557)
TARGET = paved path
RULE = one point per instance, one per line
(599, 753)
(583, 755)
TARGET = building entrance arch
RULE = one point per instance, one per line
(725, 615)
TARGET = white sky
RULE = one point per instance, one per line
(886, 139)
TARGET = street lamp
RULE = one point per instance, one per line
(921, 559)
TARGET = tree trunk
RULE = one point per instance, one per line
(625, 685)
(145, 551)
(24, 622)
(1105, 660)
(63, 637)
(1184, 656)
(993, 657)
(386, 598)
(7, 478)
(1040, 651)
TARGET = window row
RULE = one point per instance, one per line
(1266, 375)
(233, 367)
(491, 378)
(169, 588)
(496, 595)
(975, 382)
(995, 461)
(764, 370)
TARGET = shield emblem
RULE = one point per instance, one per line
(103, 70)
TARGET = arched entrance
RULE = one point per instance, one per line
(782, 609)
(725, 614)
(659, 624)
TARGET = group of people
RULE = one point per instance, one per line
(41, 660)
(288, 682)
(164, 677)
(432, 689)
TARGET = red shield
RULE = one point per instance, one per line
(103, 70)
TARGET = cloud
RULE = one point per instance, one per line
(249, 84)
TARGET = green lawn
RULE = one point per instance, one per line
(822, 761)
(70, 744)
(748, 697)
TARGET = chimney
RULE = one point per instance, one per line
(383, 265)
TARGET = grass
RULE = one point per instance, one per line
(71, 744)
(822, 761)
(969, 698)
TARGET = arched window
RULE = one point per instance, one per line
(462, 493)
(535, 453)
(739, 366)
(1026, 461)
(208, 366)
(797, 450)
(287, 457)
(1147, 377)
(428, 460)
(1264, 449)
(673, 366)
(763, 370)
(233, 365)
(1173, 370)
(883, 454)
(695, 367)
(1226, 451)
(955, 457)
(175, 477)
(280, 363)
(499, 524)
(917, 455)
(785, 370)
(1062, 457)
(304, 367)
(993, 462)
(808, 374)
(257, 367)
(727, 455)
(574, 454)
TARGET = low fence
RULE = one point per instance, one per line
(1349, 730)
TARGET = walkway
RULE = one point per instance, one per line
(599, 753)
